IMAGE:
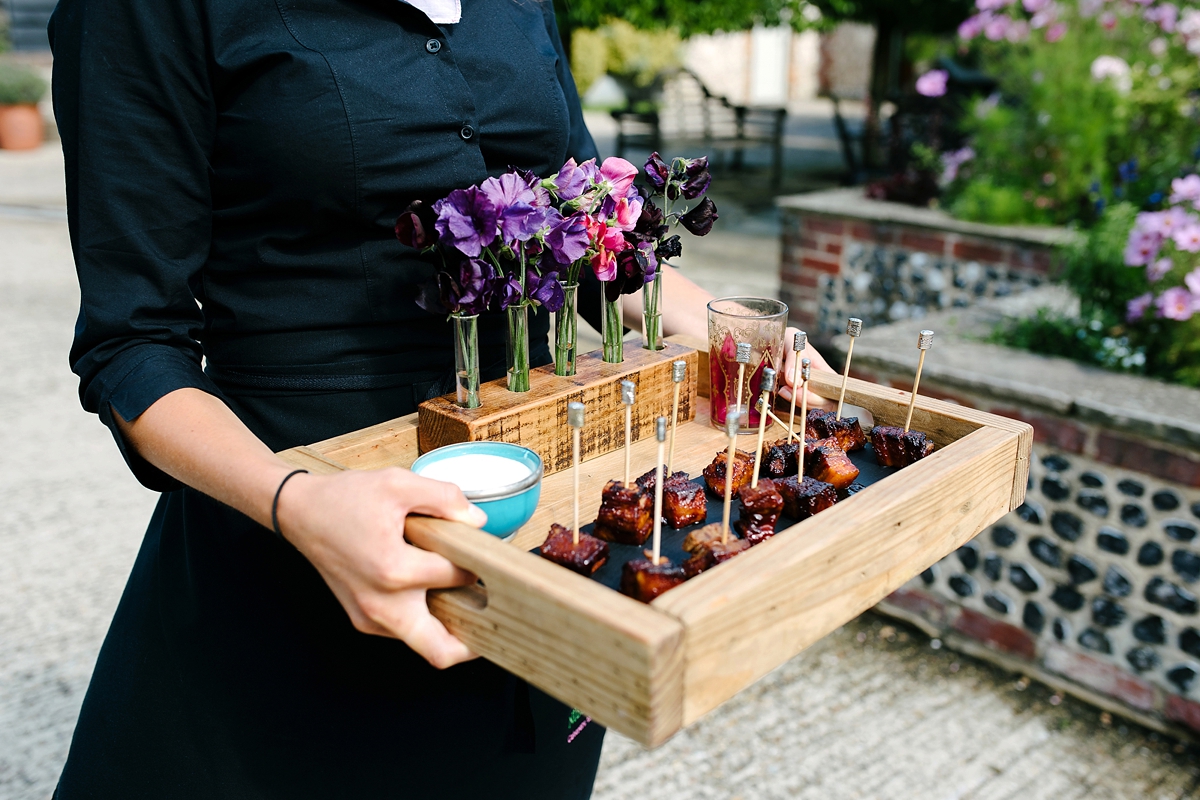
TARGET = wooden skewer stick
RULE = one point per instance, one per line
(853, 330)
(798, 344)
(678, 376)
(805, 374)
(575, 420)
(660, 432)
(768, 386)
(733, 421)
(924, 342)
(759, 407)
(743, 358)
(627, 396)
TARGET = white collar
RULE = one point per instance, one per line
(440, 12)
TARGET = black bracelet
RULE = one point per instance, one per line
(275, 503)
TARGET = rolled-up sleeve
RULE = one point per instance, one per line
(134, 106)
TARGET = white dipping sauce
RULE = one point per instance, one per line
(475, 472)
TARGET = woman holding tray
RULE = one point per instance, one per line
(233, 173)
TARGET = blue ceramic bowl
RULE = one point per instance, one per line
(507, 507)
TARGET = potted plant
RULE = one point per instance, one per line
(21, 126)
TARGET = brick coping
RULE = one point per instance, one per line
(853, 204)
(1143, 407)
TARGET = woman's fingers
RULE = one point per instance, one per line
(445, 500)
(424, 570)
(428, 637)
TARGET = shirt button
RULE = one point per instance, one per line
(433, 46)
(467, 132)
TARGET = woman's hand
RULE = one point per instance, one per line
(789, 367)
(351, 527)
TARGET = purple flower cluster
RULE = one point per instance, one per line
(1159, 242)
(1014, 20)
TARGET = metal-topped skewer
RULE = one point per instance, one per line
(767, 386)
(853, 330)
(799, 342)
(678, 376)
(575, 416)
(628, 393)
(743, 358)
(660, 433)
(924, 342)
(805, 374)
(733, 421)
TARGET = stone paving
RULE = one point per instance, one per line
(872, 711)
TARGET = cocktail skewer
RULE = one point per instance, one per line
(924, 342)
(762, 408)
(743, 358)
(627, 397)
(805, 374)
(732, 423)
(798, 345)
(678, 376)
(768, 386)
(660, 432)
(575, 421)
(853, 330)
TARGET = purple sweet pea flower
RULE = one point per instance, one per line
(467, 287)
(572, 180)
(467, 220)
(657, 171)
(545, 290)
(933, 83)
(506, 292)
(1136, 308)
(568, 239)
(541, 197)
(520, 216)
(699, 220)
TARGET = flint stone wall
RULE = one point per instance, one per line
(1093, 585)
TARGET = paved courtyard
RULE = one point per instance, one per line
(872, 711)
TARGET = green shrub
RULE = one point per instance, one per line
(638, 58)
(20, 85)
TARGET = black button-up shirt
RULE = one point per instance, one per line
(234, 170)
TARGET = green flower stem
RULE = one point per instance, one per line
(652, 312)
(614, 330)
(466, 359)
(518, 347)
(566, 332)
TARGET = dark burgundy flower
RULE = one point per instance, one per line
(699, 220)
(651, 225)
(657, 171)
(415, 226)
(632, 267)
(696, 177)
(545, 290)
(670, 247)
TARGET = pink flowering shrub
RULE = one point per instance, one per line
(1166, 244)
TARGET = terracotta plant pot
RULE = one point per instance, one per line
(21, 127)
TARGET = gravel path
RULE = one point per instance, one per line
(872, 711)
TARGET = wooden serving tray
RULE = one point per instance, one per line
(650, 670)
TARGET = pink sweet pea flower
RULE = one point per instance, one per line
(1138, 306)
(1055, 32)
(996, 28)
(1156, 270)
(1034, 6)
(973, 26)
(1187, 238)
(1176, 303)
(1186, 189)
(620, 173)
(933, 83)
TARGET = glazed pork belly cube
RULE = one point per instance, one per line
(585, 558)
(829, 463)
(644, 580)
(896, 448)
(847, 431)
(780, 459)
(626, 514)
(803, 497)
(702, 539)
(761, 506)
(743, 471)
(684, 502)
(707, 549)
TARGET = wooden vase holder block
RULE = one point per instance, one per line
(537, 419)
(649, 671)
